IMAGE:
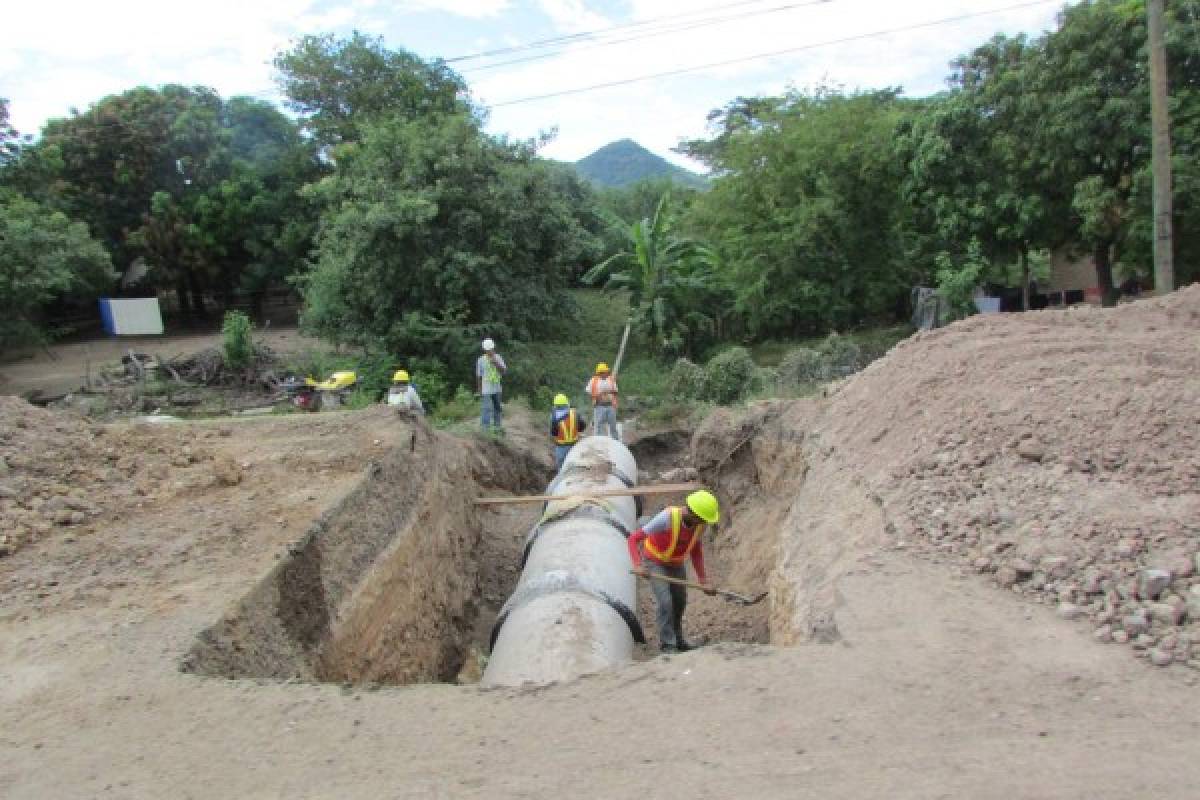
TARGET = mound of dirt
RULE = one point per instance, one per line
(61, 471)
(1055, 452)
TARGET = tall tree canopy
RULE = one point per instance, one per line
(977, 188)
(10, 140)
(434, 233)
(1045, 144)
(43, 255)
(805, 210)
(337, 85)
(184, 189)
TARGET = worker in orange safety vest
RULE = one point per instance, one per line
(565, 427)
(602, 389)
(663, 546)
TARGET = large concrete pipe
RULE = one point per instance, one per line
(573, 611)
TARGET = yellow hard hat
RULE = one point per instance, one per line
(602, 367)
(561, 400)
(704, 505)
(400, 377)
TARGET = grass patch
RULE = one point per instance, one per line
(462, 406)
(874, 343)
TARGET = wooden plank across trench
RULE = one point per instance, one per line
(652, 489)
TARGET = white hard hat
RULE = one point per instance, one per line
(488, 344)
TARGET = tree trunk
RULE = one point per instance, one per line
(1023, 260)
(197, 297)
(258, 300)
(185, 300)
(1104, 274)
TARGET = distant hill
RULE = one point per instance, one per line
(625, 162)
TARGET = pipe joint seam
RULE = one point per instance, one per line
(595, 512)
(553, 582)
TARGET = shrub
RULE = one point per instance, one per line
(842, 355)
(801, 367)
(463, 405)
(238, 347)
(361, 398)
(687, 381)
(957, 279)
(541, 398)
(729, 377)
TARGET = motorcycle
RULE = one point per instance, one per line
(312, 395)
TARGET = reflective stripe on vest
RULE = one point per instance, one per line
(567, 431)
(670, 556)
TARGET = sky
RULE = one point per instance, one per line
(56, 55)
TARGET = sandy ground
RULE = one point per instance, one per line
(61, 368)
(938, 689)
(939, 686)
(915, 671)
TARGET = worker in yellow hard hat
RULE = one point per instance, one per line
(602, 388)
(565, 427)
(402, 394)
(662, 547)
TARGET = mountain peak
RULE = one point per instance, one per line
(625, 162)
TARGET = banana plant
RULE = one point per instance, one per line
(676, 293)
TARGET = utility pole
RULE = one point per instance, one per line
(1164, 267)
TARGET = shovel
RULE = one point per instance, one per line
(732, 597)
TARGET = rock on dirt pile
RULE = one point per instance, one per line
(63, 472)
(1054, 451)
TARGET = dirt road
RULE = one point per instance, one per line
(61, 367)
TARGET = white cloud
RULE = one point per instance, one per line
(112, 46)
(660, 111)
(573, 16)
(475, 9)
(47, 66)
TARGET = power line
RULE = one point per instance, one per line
(772, 54)
(583, 35)
(675, 28)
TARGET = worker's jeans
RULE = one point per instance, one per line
(670, 600)
(605, 418)
(491, 414)
(560, 453)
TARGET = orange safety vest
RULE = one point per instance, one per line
(568, 429)
(594, 389)
(672, 555)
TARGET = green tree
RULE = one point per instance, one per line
(433, 234)
(186, 190)
(43, 256)
(676, 295)
(337, 85)
(806, 208)
(10, 140)
(1094, 110)
(976, 187)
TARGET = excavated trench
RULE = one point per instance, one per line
(402, 580)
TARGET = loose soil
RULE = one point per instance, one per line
(918, 670)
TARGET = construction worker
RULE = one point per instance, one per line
(403, 395)
(602, 388)
(661, 547)
(565, 427)
(489, 372)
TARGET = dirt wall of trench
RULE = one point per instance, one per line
(796, 519)
(384, 588)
